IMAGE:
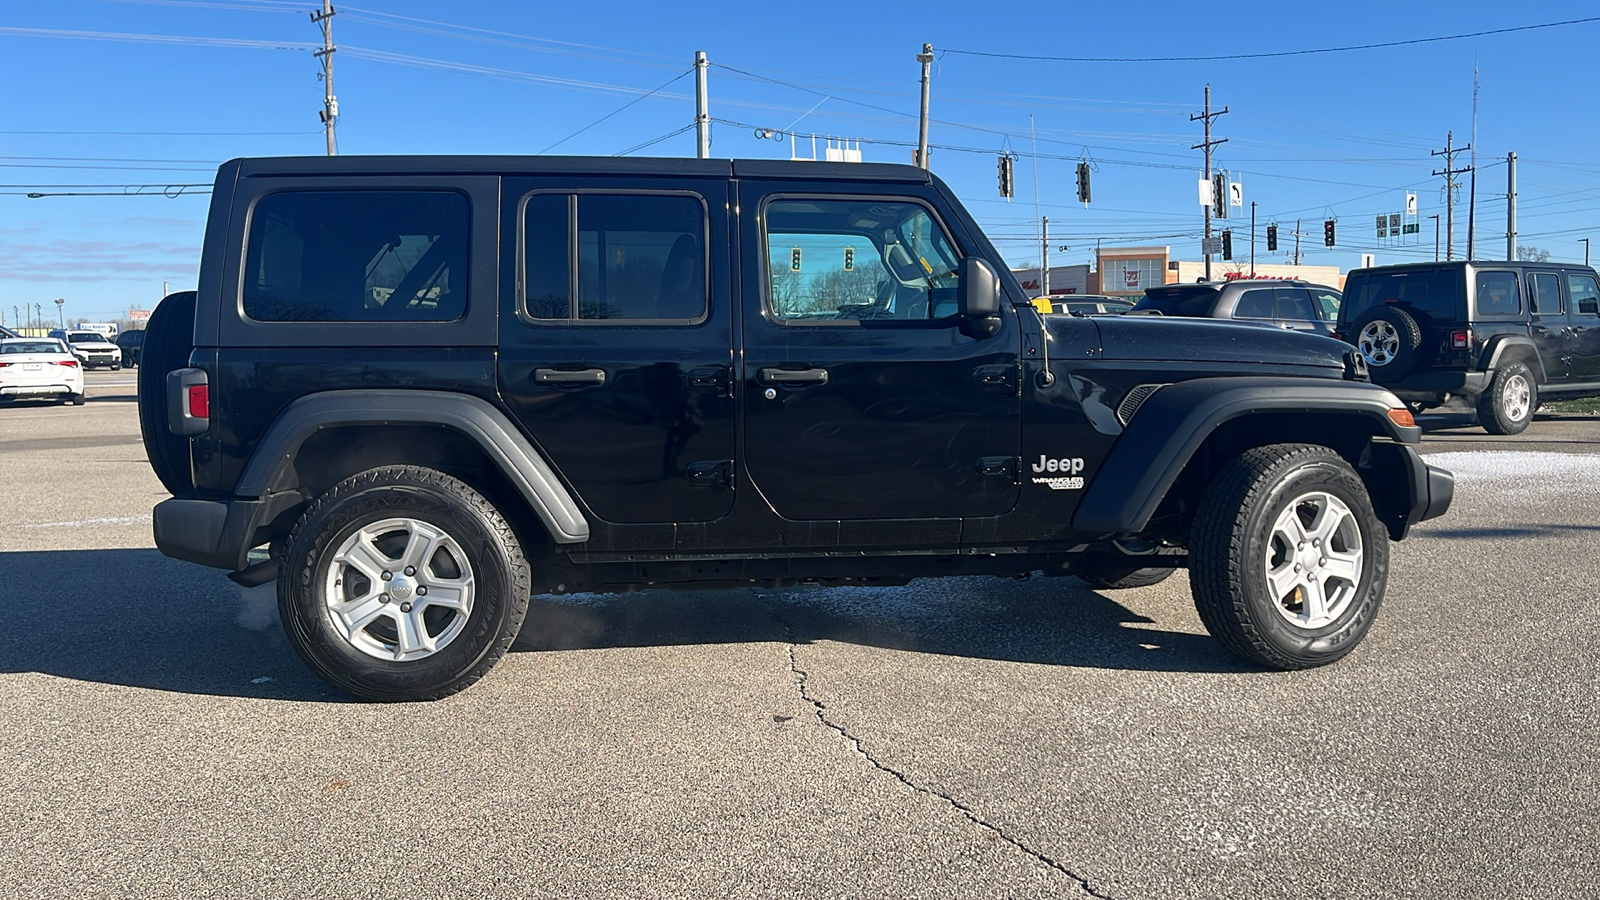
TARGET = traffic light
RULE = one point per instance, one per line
(1007, 187)
(794, 259)
(1083, 182)
(849, 259)
(1327, 233)
(1219, 195)
(1272, 238)
(1227, 244)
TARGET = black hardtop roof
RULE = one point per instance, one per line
(574, 165)
(1474, 263)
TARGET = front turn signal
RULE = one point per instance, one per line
(1402, 417)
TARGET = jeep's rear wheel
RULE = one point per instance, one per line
(402, 583)
(1508, 404)
(1288, 561)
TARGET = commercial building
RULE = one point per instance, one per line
(1128, 271)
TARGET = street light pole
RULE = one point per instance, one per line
(60, 314)
(1585, 250)
(1435, 237)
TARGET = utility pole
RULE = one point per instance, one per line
(1044, 256)
(702, 110)
(1252, 238)
(1297, 242)
(926, 58)
(1435, 237)
(1511, 207)
(1450, 172)
(1206, 118)
(330, 104)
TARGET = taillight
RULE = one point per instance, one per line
(1461, 339)
(70, 363)
(200, 401)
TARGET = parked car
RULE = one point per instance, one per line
(1290, 304)
(432, 386)
(131, 343)
(7, 333)
(39, 368)
(1083, 304)
(92, 348)
(1502, 336)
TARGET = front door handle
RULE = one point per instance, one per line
(794, 376)
(569, 376)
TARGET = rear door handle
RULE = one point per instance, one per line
(569, 376)
(794, 376)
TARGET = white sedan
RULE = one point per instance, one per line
(39, 368)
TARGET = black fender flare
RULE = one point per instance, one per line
(271, 467)
(1496, 349)
(1164, 434)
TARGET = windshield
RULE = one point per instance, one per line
(86, 337)
(1432, 292)
(26, 346)
(1191, 300)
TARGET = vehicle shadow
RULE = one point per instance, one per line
(133, 617)
(1047, 621)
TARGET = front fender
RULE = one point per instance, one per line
(1164, 434)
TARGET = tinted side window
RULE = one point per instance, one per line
(1256, 304)
(1497, 294)
(357, 256)
(855, 260)
(632, 257)
(1293, 304)
(1585, 295)
(1544, 293)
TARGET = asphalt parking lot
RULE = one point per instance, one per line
(956, 738)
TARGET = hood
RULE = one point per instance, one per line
(1136, 337)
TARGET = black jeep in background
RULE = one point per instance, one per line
(417, 390)
(1501, 336)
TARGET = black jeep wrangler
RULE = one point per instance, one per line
(1500, 336)
(418, 390)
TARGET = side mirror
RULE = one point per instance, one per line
(980, 288)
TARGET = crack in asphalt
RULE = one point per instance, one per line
(971, 815)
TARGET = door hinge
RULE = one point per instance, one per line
(998, 467)
(710, 473)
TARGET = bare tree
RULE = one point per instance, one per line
(1530, 253)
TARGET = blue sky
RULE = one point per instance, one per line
(106, 93)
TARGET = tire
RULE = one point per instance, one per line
(116, 367)
(169, 340)
(1507, 405)
(1390, 340)
(371, 521)
(76, 399)
(1116, 578)
(1245, 559)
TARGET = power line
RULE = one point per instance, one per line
(608, 115)
(654, 141)
(1276, 53)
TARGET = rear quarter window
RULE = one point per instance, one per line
(357, 256)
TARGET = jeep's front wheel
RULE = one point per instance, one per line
(1507, 406)
(1288, 561)
(402, 583)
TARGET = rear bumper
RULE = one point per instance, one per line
(36, 390)
(216, 533)
(1427, 386)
